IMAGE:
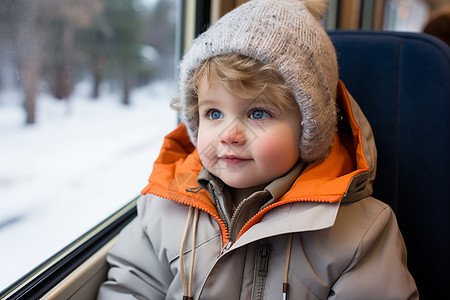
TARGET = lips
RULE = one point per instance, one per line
(233, 159)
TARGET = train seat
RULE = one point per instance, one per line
(402, 83)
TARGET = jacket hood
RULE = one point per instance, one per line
(345, 175)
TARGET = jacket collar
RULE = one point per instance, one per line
(175, 171)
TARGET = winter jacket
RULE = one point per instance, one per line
(316, 229)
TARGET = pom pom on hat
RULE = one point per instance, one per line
(318, 8)
(285, 34)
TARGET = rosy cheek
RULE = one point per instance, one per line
(266, 149)
(277, 149)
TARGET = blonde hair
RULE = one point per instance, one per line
(244, 77)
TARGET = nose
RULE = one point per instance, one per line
(233, 136)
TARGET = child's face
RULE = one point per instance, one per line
(245, 143)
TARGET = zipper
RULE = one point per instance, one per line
(226, 247)
(222, 216)
(156, 191)
(264, 252)
(219, 208)
(261, 269)
(233, 231)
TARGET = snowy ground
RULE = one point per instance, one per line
(82, 161)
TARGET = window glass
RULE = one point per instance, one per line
(405, 15)
(85, 88)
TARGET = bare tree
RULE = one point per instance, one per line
(29, 57)
(46, 48)
(63, 18)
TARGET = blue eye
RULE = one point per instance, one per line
(215, 114)
(259, 114)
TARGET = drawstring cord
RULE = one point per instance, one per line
(191, 273)
(286, 267)
(187, 290)
(186, 227)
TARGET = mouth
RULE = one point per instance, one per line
(233, 159)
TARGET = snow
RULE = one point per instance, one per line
(81, 162)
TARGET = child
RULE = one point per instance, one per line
(264, 189)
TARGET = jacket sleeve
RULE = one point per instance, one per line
(378, 269)
(135, 270)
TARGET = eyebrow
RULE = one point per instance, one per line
(207, 101)
(257, 101)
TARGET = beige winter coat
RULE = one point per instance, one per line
(321, 228)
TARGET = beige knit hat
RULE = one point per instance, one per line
(288, 35)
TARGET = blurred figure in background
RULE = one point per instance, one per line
(439, 24)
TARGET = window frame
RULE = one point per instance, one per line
(44, 277)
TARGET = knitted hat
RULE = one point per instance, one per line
(288, 35)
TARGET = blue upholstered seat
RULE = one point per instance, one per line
(402, 83)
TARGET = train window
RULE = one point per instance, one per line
(393, 15)
(85, 88)
(405, 15)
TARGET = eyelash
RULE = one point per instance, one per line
(208, 112)
(269, 115)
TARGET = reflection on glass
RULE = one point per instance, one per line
(405, 15)
(85, 88)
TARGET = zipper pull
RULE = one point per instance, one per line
(226, 247)
(264, 260)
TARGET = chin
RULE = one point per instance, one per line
(241, 184)
(237, 184)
